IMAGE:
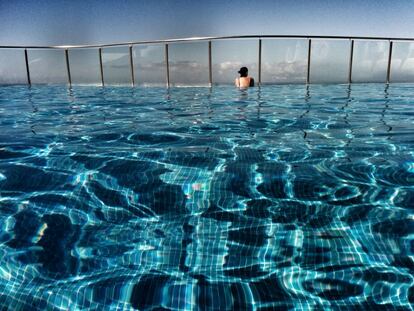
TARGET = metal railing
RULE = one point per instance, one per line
(166, 43)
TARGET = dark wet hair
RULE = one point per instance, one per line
(243, 71)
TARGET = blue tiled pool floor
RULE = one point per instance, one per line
(278, 198)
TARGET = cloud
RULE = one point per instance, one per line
(36, 60)
(292, 71)
(147, 50)
(116, 60)
(229, 65)
(150, 66)
(186, 64)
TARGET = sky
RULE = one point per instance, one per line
(63, 22)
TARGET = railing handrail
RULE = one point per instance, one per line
(194, 39)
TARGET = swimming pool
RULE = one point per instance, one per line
(279, 197)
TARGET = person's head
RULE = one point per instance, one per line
(243, 72)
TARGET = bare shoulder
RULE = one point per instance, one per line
(251, 82)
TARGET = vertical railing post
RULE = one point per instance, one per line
(101, 66)
(309, 61)
(131, 63)
(26, 58)
(389, 63)
(260, 62)
(68, 67)
(351, 59)
(210, 70)
(167, 66)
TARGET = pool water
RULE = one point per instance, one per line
(274, 198)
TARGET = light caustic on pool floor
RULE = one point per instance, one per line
(280, 197)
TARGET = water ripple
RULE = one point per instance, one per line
(283, 197)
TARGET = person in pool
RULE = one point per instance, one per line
(244, 80)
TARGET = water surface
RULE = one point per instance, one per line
(284, 197)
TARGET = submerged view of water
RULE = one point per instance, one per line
(273, 198)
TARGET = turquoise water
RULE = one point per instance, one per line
(279, 198)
